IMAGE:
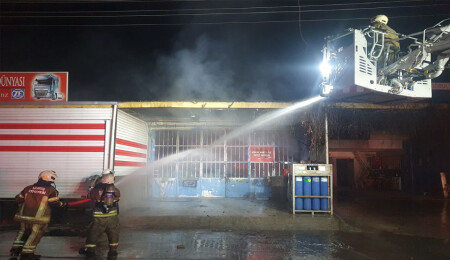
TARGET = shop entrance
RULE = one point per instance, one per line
(345, 173)
(202, 163)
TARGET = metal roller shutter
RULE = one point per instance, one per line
(131, 144)
(70, 141)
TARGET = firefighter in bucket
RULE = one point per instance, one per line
(105, 217)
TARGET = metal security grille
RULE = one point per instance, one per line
(165, 145)
(214, 156)
(194, 154)
(237, 157)
(189, 166)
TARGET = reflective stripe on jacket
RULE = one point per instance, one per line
(34, 200)
(96, 194)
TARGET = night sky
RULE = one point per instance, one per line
(190, 50)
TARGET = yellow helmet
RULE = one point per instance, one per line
(381, 18)
(48, 175)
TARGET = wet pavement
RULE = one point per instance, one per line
(395, 212)
(364, 226)
(204, 244)
(230, 214)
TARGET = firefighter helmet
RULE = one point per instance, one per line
(108, 171)
(108, 178)
(381, 18)
(48, 175)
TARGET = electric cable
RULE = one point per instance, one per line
(210, 9)
(213, 23)
(215, 14)
(300, 24)
(162, 1)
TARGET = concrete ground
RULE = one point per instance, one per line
(224, 214)
(395, 212)
(365, 225)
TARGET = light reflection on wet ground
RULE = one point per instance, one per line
(159, 244)
(377, 226)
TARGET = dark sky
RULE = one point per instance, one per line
(190, 50)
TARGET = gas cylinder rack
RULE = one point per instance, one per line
(311, 188)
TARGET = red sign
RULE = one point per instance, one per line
(261, 153)
(33, 86)
(377, 162)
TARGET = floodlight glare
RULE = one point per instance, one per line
(326, 90)
(325, 69)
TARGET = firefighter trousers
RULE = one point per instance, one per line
(100, 225)
(28, 237)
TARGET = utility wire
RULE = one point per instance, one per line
(215, 13)
(163, 1)
(206, 9)
(212, 23)
(300, 24)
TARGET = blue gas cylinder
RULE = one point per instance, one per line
(324, 192)
(307, 192)
(298, 192)
(315, 189)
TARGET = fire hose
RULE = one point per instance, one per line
(74, 203)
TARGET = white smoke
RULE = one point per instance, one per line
(196, 73)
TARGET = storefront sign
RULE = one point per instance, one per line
(33, 86)
(261, 153)
(377, 162)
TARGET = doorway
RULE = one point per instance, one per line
(345, 173)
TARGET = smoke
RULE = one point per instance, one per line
(195, 73)
(230, 66)
(212, 63)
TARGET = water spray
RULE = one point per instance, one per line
(258, 122)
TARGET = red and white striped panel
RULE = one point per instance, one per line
(131, 144)
(74, 148)
(75, 151)
(52, 137)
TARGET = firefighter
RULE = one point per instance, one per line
(91, 182)
(105, 216)
(380, 22)
(391, 47)
(34, 214)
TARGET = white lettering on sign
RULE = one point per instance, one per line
(12, 81)
(38, 190)
(4, 95)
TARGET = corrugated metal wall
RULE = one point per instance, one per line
(131, 144)
(70, 141)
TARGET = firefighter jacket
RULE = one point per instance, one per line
(34, 202)
(390, 36)
(101, 209)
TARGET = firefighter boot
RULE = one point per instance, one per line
(86, 252)
(112, 253)
(29, 257)
(14, 253)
